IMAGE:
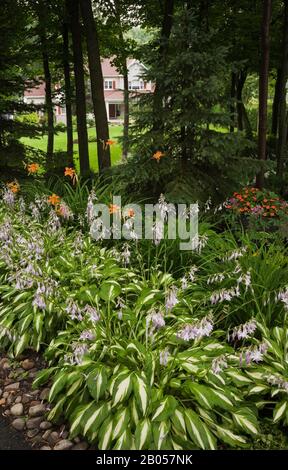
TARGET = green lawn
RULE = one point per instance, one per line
(60, 145)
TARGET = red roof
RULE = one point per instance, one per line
(38, 90)
(109, 70)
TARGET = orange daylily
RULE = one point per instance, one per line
(113, 209)
(54, 200)
(110, 142)
(71, 173)
(14, 186)
(33, 168)
(158, 155)
(130, 212)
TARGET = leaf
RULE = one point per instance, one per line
(246, 420)
(239, 379)
(178, 420)
(109, 290)
(97, 382)
(24, 324)
(230, 437)
(77, 417)
(58, 384)
(209, 397)
(120, 422)
(105, 434)
(56, 411)
(21, 343)
(124, 442)
(198, 432)
(258, 389)
(143, 434)
(147, 296)
(279, 411)
(43, 377)
(165, 409)
(95, 416)
(122, 389)
(160, 432)
(140, 390)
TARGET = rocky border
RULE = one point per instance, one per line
(26, 409)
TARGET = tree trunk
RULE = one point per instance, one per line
(165, 34)
(97, 88)
(275, 106)
(48, 95)
(68, 93)
(240, 82)
(263, 89)
(232, 97)
(126, 114)
(73, 8)
(282, 122)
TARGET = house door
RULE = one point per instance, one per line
(112, 111)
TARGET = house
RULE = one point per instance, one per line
(113, 84)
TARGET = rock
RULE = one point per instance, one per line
(1, 391)
(10, 400)
(64, 434)
(77, 440)
(33, 423)
(33, 374)
(53, 438)
(80, 446)
(45, 448)
(64, 444)
(4, 363)
(18, 424)
(46, 434)
(44, 394)
(13, 386)
(6, 394)
(27, 364)
(17, 410)
(32, 433)
(45, 425)
(2, 401)
(18, 399)
(34, 393)
(7, 413)
(36, 410)
(35, 402)
(25, 399)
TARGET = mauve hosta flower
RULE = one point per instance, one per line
(279, 381)
(154, 321)
(245, 278)
(254, 353)
(246, 330)
(283, 297)
(165, 208)
(202, 242)
(39, 301)
(41, 202)
(126, 254)
(6, 231)
(192, 271)
(224, 295)
(65, 211)
(215, 278)
(92, 312)
(79, 351)
(90, 207)
(53, 222)
(87, 335)
(163, 357)
(22, 205)
(78, 243)
(157, 232)
(120, 304)
(171, 298)
(218, 364)
(236, 254)
(257, 210)
(8, 197)
(184, 283)
(207, 205)
(74, 310)
(98, 230)
(196, 330)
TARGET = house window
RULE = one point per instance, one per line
(108, 84)
(136, 85)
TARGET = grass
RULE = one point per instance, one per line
(60, 145)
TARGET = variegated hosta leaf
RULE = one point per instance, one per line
(56, 411)
(246, 420)
(165, 409)
(124, 441)
(22, 343)
(76, 420)
(198, 431)
(178, 420)
(208, 397)
(160, 433)
(95, 416)
(280, 410)
(58, 384)
(141, 390)
(105, 434)
(228, 436)
(135, 414)
(120, 422)
(97, 382)
(143, 434)
(238, 378)
(122, 389)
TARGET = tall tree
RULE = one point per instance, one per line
(97, 88)
(43, 17)
(282, 121)
(68, 90)
(263, 88)
(73, 9)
